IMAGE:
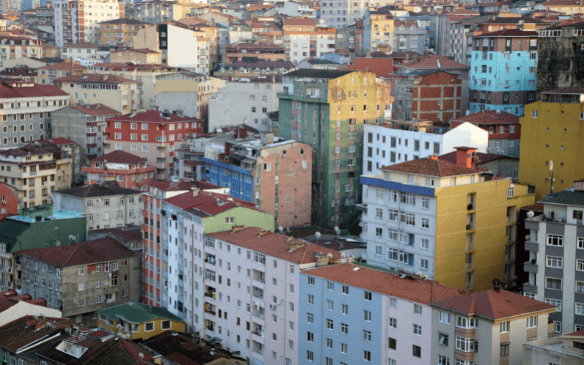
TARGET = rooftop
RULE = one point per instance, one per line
(96, 251)
(481, 158)
(65, 65)
(96, 110)
(25, 330)
(494, 304)
(319, 74)
(94, 78)
(276, 245)
(59, 141)
(379, 281)
(508, 33)
(138, 313)
(10, 299)
(184, 185)
(57, 214)
(489, 117)
(565, 197)
(434, 62)
(98, 190)
(119, 156)
(34, 91)
(207, 204)
(430, 167)
(260, 64)
(151, 116)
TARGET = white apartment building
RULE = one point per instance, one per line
(251, 291)
(78, 21)
(396, 142)
(342, 13)
(246, 101)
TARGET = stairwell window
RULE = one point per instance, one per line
(534, 114)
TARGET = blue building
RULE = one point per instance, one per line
(503, 71)
(238, 179)
(359, 314)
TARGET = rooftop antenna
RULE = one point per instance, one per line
(338, 231)
(317, 235)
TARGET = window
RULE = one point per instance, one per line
(417, 330)
(505, 349)
(165, 325)
(443, 339)
(367, 295)
(443, 360)
(393, 302)
(344, 328)
(330, 285)
(82, 271)
(149, 327)
(309, 355)
(344, 348)
(555, 240)
(425, 223)
(82, 302)
(416, 351)
(310, 299)
(504, 327)
(417, 309)
(309, 318)
(557, 303)
(579, 309)
(367, 316)
(532, 322)
(534, 114)
(366, 355)
(329, 324)
(345, 289)
(366, 335)
(465, 344)
(329, 305)
(444, 317)
(552, 283)
(311, 280)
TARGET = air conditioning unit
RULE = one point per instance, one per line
(273, 306)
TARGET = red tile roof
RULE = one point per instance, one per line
(151, 116)
(23, 331)
(184, 185)
(65, 65)
(58, 141)
(275, 244)
(96, 110)
(8, 299)
(208, 204)
(94, 78)
(82, 45)
(430, 167)
(298, 21)
(509, 33)
(129, 66)
(481, 158)
(119, 156)
(419, 291)
(494, 305)
(101, 250)
(7, 91)
(575, 334)
(489, 117)
(434, 63)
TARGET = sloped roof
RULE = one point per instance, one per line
(7, 300)
(489, 117)
(494, 305)
(101, 250)
(319, 74)
(184, 185)
(98, 190)
(481, 158)
(58, 141)
(95, 78)
(509, 33)
(65, 65)
(430, 167)
(25, 330)
(298, 21)
(95, 109)
(181, 349)
(434, 62)
(9, 92)
(119, 156)
(138, 313)
(151, 116)
(382, 282)
(208, 204)
(260, 64)
(125, 21)
(275, 244)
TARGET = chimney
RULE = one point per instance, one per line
(267, 138)
(241, 133)
(104, 78)
(579, 185)
(264, 232)
(295, 246)
(235, 228)
(465, 156)
(433, 157)
(196, 192)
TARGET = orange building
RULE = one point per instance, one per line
(130, 171)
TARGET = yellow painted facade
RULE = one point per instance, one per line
(139, 329)
(382, 26)
(471, 252)
(551, 132)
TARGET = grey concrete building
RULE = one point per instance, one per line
(556, 257)
(566, 350)
(84, 124)
(26, 111)
(410, 35)
(105, 205)
(82, 278)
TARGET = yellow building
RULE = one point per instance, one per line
(139, 321)
(36, 171)
(444, 220)
(120, 30)
(49, 73)
(551, 130)
(378, 28)
(116, 92)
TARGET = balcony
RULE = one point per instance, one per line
(532, 246)
(470, 226)
(258, 293)
(470, 266)
(530, 266)
(529, 288)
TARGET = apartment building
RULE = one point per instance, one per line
(82, 278)
(198, 212)
(461, 32)
(550, 140)
(244, 69)
(558, 65)
(159, 134)
(327, 109)
(565, 348)
(246, 101)
(433, 88)
(26, 111)
(179, 45)
(378, 29)
(36, 172)
(156, 11)
(560, 281)
(12, 47)
(152, 244)
(401, 141)
(503, 128)
(128, 170)
(303, 39)
(84, 124)
(121, 30)
(139, 321)
(79, 20)
(344, 13)
(264, 51)
(489, 327)
(503, 71)
(272, 173)
(116, 92)
(171, 89)
(353, 314)
(262, 319)
(50, 72)
(432, 216)
(36, 227)
(105, 205)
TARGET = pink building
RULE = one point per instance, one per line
(8, 201)
(130, 171)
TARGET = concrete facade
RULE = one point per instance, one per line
(388, 144)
